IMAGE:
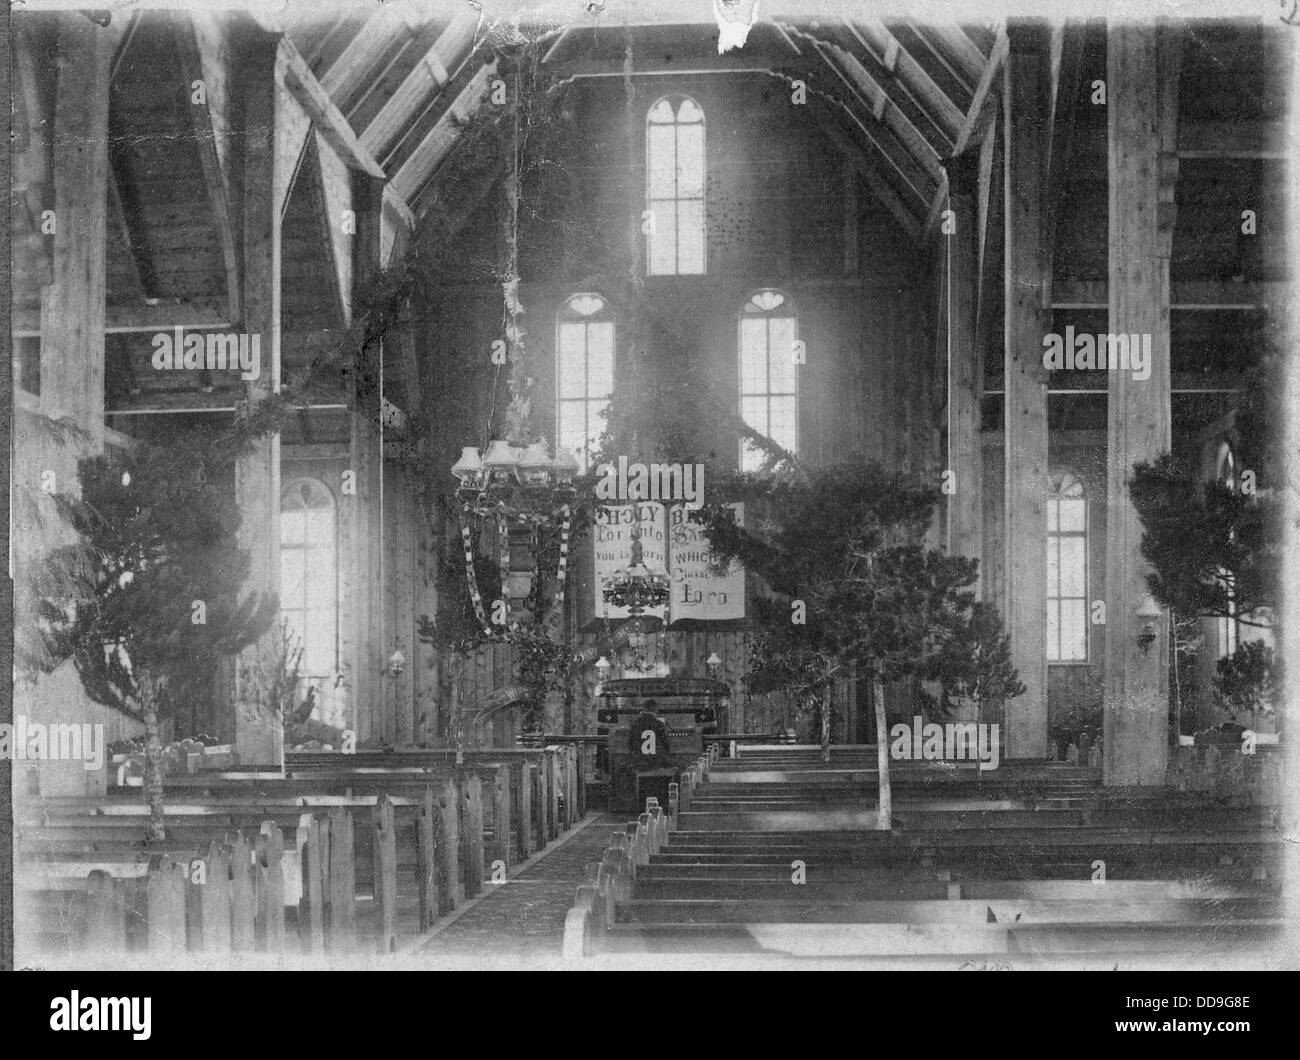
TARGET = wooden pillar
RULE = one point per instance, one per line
(370, 691)
(268, 170)
(72, 305)
(526, 770)
(964, 365)
(472, 839)
(1135, 749)
(72, 347)
(1025, 400)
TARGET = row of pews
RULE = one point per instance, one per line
(338, 854)
(775, 856)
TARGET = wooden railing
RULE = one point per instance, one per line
(595, 904)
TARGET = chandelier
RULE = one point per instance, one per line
(520, 482)
(636, 587)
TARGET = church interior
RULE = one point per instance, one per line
(384, 292)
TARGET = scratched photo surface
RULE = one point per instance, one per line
(626, 484)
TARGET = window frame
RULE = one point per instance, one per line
(305, 547)
(675, 100)
(1227, 627)
(786, 309)
(1057, 479)
(562, 316)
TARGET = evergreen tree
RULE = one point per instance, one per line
(149, 599)
(843, 550)
(1216, 547)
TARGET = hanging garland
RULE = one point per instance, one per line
(472, 582)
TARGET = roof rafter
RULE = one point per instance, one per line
(954, 49)
(910, 76)
(433, 147)
(344, 76)
(200, 62)
(975, 125)
(429, 77)
(883, 109)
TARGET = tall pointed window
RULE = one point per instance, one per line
(1229, 624)
(584, 373)
(768, 394)
(1067, 570)
(309, 577)
(675, 188)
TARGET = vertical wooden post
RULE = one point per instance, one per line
(1135, 701)
(342, 882)
(72, 338)
(268, 170)
(426, 864)
(582, 780)
(385, 872)
(473, 838)
(72, 305)
(1025, 389)
(525, 810)
(552, 757)
(372, 695)
(270, 862)
(242, 903)
(501, 814)
(311, 907)
(450, 887)
(965, 368)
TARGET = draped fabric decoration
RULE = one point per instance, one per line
(468, 543)
(562, 569)
(503, 538)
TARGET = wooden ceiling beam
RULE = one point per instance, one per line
(1065, 65)
(429, 153)
(315, 100)
(344, 77)
(954, 49)
(656, 66)
(911, 76)
(200, 62)
(976, 123)
(864, 88)
(429, 76)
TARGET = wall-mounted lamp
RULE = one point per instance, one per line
(714, 664)
(396, 663)
(1150, 613)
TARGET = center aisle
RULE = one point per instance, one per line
(521, 922)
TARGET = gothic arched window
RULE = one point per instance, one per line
(1067, 569)
(769, 402)
(675, 187)
(584, 373)
(309, 575)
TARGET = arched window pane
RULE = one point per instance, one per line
(768, 380)
(1067, 570)
(309, 577)
(675, 178)
(584, 373)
